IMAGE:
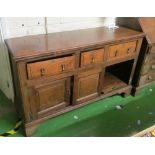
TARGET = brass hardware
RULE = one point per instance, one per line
(62, 67)
(116, 53)
(42, 71)
(92, 60)
(129, 50)
(153, 66)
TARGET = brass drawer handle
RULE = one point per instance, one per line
(153, 67)
(62, 67)
(42, 71)
(149, 77)
(116, 53)
(92, 60)
(129, 50)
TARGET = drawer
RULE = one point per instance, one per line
(51, 97)
(51, 67)
(147, 78)
(92, 57)
(150, 66)
(122, 50)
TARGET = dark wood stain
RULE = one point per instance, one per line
(30, 46)
(59, 72)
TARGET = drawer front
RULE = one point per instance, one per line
(92, 57)
(51, 67)
(122, 50)
(148, 67)
(147, 78)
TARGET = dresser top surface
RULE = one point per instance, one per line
(148, 27)
(39, 45)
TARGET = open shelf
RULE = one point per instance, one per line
(117, 76)
(111, 83)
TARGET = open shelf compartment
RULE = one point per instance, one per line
(117, 76)
(111, 83)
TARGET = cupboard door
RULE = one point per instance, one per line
(52, 97)
(87, 87)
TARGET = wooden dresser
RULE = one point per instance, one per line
(59, 72)
(145, 69)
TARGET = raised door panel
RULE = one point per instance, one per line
(87, 87)
(51, 97)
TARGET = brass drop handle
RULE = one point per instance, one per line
(92, 60)
(129, 50)
(149, 77)
(153, 66)
(42, 71)
(62, 67)
(116, 53)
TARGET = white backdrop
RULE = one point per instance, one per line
(23, 26)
